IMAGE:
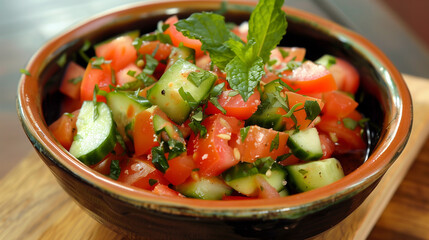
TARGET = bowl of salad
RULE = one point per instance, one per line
(222, 119)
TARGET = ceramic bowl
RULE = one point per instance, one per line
(140, 213)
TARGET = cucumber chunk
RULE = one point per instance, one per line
(308, 176)
(205, 188)
(96, 134)
(165, 93)
(305, 144)
(181, 52)
(125, 106)
(242, 177)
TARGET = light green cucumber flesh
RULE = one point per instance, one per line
(312, 175)
(165, 92)
(205, 188)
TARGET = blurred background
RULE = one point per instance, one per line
(397, 27)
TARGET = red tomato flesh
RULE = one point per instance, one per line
(70, 88)
(235, 106)
(178, 38)
(257, 144)
(94, 76)
(212, 154)
(120, 51)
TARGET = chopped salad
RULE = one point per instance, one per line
(206, 109)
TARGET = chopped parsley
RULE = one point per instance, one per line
(25, 72)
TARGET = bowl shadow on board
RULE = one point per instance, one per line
(110, 211)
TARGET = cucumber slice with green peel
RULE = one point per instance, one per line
(205, 188)
(305, 144)
(125, 106)
(267, 115)
(242, 177)
(166, 92)
(96, 134)
(161, 124)
(311, 175)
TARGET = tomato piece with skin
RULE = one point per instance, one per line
(120, 51)
(94, 76)
(68, 86)
(123, 77)
(345, 75)
(163, 50)
(311, 78)
(140, 173)
(64, 129)
(103, 166)
(213, 155)
(338, 104)
(257, 144)
(180, 168)
(164, 190)
(144, 133)
(328, 146)
(301, 115)
(345, 139)
(235, 106)
(177, 37)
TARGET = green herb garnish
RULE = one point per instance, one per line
(115, 170)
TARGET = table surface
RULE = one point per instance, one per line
(25, 25)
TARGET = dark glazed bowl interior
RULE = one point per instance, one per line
(385, 100)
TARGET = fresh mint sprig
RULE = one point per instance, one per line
(243, 62)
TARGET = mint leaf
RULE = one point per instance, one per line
(244, 77)
(115, 170)
(267, 25)
(211, 30)
(159, 160)
(312, 109)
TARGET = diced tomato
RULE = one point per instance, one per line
(140, 173)
(287, 54)
(180, 168)
(235, 106)
(123, 77)
(328, 146)
(338, 104)
(301, 115)
(94, 76)
(257, 144)
(164, 190)
(212, 154)
(177, 37)
(345, 139)
(163, 50)
(69, 86)
(345, 75)
(311, 78)
(265, 189)
(120, 51)
(144, 133)
(64, 129)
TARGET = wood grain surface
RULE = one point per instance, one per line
(33, 205)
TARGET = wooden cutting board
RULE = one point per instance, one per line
(34, 206)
